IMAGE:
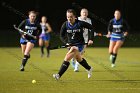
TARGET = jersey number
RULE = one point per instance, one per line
(30, 32)
(73, 34)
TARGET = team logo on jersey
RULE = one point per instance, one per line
(31, 28)
(117, 26)
(73, 31)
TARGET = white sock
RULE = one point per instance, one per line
(76, 65)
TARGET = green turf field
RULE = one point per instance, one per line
(124, 78)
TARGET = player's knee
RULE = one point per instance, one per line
(110, 51)
(40, 44)
(115, 50)
(79, 59)
(74, 48)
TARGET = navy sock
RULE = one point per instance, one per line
(25, 59)
(42, 49)
(114, 56)
(63, 68)
(85, 64)
(48, 50)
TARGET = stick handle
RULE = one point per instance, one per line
(24, 32)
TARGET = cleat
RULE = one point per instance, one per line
(90, 72)
(22, 68)
(112, 65)
(56, 76)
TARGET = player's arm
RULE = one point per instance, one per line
(49, 29)
(109, 29)
(90, 31)
(126, 27)
(63, 33)
(21, 26)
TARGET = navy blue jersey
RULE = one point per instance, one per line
(73, 34)
(118, 26)
(33, 29)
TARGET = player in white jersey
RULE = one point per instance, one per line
(83, 17)
(44, 37)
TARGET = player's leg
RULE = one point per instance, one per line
(47, 39)
(47, 47)
(23, 47)
(29, 46)
(23, 43)
(71, 53)
(115, 51)
(111, 46)
(81, 50)
(41, 44)
(84, 63)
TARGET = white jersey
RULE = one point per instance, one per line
(85, 34)
(43, 27)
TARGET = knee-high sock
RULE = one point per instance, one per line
(48, 50)
(76, 65)
(114, 56)
(85, 64)
(25, 59)
(42, 49)
(63, 68)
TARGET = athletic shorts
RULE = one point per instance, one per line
(80, 47)
(117, 37)
(24, 41)
(45, 37)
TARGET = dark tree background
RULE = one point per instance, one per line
(100, 11)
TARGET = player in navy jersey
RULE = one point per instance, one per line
(32, 27)
(71, 33)
(83, 17)
(117, 31)
(45, 36)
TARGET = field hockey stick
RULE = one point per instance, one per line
(12, 9)
(23, 32)
(99, 34)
